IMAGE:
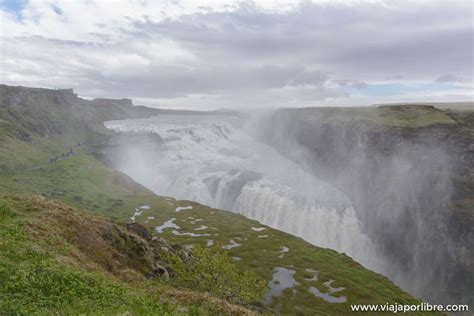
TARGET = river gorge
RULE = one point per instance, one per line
(380, 198)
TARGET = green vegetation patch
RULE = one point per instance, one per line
(33, 282)
(403, 116)
(45, 271)
(213, 271)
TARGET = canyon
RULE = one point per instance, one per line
(386, 185)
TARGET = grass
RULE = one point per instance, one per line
(81, 181)
(262, 255)
(402, 116)
(32, 281)
(43, 271)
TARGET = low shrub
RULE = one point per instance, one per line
(215, 273)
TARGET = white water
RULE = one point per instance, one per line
(213, 161)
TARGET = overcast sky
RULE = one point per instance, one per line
(203, 54)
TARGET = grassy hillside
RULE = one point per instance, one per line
(58, 260)
(38, 254)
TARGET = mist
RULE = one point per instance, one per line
(383, 200)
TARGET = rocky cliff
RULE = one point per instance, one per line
(408, 170)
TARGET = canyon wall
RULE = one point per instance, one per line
(408, 172)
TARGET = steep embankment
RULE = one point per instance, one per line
(408, 171)
(71, 253)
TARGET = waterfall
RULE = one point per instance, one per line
(212, 160)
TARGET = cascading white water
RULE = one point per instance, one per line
(211, 160)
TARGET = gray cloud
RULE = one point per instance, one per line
(315, 50)
(449, 78)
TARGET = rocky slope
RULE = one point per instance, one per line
(408, 169)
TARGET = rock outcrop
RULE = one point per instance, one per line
(23, 96)
(117, 248)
